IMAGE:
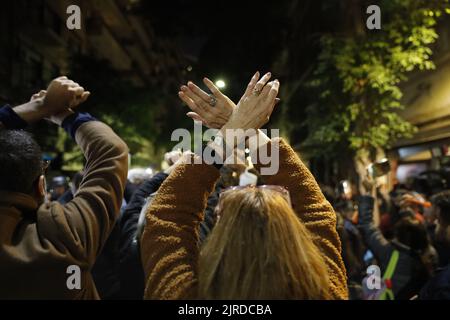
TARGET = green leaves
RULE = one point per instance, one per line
(357, 78)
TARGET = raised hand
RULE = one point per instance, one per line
(58, 100)
(366, 184)
(255, 108)
(62, 94)
(181, 158)
(172, 156)
(214, 109)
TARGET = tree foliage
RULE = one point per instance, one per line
(143, 116)
(357, 79)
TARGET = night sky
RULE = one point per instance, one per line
(233, 39)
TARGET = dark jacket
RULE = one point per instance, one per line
(39, 243)
(210, 218)
(130, 189)
(410, 274)
(105, 271)
(438, 288)
(130, 268)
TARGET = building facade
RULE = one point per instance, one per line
(427, 101)
(36, 44)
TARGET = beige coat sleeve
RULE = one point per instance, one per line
(81, 227)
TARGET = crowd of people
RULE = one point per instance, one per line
(403, 233)
(200, 230)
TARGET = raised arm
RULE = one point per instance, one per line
(308, 201)
(169, 248)
(79, 228)
(61, 95)
(368, 214)
(88, 219)
(372, 235)
(170, 239)
(313, 210)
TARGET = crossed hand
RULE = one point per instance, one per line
(216, 110)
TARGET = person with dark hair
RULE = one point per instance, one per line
(411, 232)
(46, 249)
(408, 253)
(21, 161)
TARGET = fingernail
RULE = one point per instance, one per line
(183, 88)
(268, 73)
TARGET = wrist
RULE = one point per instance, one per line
(60, 118)
(169, 170)
(71, 123)
(233, 136)
(38, 107)
(257, 141)
(214, 151)
(30, 112)
(222, 131)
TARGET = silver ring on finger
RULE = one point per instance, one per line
(212, 100)
(257, 92)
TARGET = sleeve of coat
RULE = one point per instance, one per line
(170, 240)
(83, 225)
(314, 211)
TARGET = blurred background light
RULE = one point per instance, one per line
(220, 84)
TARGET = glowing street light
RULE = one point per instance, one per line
(220, 84)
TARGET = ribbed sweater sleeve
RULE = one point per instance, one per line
(314, 211)
(169, 245)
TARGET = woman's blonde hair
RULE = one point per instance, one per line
(259, 249)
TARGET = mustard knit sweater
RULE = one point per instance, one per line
(169, 247)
